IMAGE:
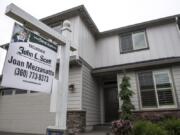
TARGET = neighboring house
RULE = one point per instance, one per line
(149, 52)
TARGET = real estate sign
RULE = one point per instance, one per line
(30, 62)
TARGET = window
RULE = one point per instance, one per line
(156, 89)
(33, 91)
(133, 41)
(20, 91)
(6, 92)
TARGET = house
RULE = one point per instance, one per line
(149, 52)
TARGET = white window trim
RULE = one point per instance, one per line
(158, 106)
(133, 42)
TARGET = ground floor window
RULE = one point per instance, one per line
(156, 89)
(6, 92)
(17, 91)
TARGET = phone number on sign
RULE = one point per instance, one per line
(30, 75)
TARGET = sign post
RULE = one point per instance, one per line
(64, 76)
(62, 84)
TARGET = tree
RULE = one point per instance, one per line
(125, 95)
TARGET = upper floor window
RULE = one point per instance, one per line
(133, 41)
(156, 89)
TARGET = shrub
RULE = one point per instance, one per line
(172, 126)
(148, 128)
(125, 95)
(122, 127)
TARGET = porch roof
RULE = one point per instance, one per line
(156, 63)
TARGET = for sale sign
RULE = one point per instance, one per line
(30, 62)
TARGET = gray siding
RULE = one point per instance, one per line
(74, 27)
(163, 42)
(90, 98)
(75, 32)
(30, 113)
(27, 113)
(74, 98)
(87, 44)
(133, 82)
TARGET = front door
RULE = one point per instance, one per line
(111, 104)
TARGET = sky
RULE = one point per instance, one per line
(107, 14)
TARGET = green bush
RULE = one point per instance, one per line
(172, 126)
(148, 128)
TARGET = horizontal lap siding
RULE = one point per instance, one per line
(90, 98)
(133, 83)
(30, 113)
(74, 97)
(27, 113)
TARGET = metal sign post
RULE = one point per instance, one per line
(64, 49)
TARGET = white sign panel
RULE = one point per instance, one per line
(30, 62)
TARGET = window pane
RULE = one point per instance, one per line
(146, 80)
(7, 92)
(33, 91)
(148, 96)
(126, 43)
(165, 97)
(162, 80)
(164, 89)
(139, 40)
(20, 91)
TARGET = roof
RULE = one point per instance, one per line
(55, 19)
(149, 64)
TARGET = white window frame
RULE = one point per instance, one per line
(158, 107)
(133, 41)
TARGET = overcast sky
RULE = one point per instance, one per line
(107, 14)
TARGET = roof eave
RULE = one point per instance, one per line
(139, 26)
(56, 19)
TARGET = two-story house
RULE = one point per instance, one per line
(148, 52)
